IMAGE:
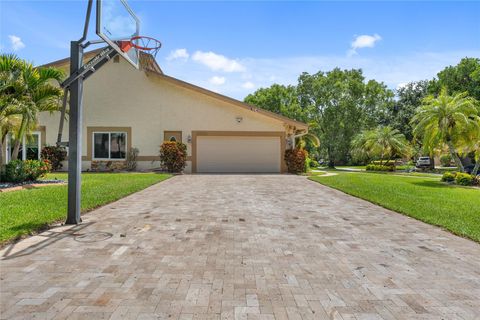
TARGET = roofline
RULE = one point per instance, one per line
(155, 70)
(92, 53)
(298, 124)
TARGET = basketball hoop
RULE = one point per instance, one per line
(147, 44)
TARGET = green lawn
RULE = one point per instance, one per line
(454, 208)
(25, 211)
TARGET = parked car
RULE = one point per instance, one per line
(423, 162)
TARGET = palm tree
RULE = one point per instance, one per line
(382, 142)
(471, 145)
(32, 90)
(11, 99)
(308, 139)
(446, 120)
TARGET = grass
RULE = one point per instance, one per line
(427, 199)
(26, 211)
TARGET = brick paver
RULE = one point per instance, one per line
(242, 247)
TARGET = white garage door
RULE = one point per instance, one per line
(238, 154)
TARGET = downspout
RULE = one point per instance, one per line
(294, 137)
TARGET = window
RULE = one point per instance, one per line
(173, 136)
(109, 145)
(29, 149)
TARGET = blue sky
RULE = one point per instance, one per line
(236, 47)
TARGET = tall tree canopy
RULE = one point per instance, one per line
(464, 77)
(409, 98)
(337, 104)
(279, 99)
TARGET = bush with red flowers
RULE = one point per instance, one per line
(173, 156)
(55, 155)
(296, 160)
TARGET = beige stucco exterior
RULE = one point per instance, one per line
(145, 104)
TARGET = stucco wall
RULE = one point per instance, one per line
(119, 96)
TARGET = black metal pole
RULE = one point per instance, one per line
(75, 136)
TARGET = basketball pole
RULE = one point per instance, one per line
(75, 126)
(75, 136)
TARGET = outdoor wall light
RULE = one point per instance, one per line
(239, 119)
(189, 138)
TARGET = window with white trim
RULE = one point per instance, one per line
(109, 145)
(29, 149)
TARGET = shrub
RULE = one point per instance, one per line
(476, 180)
(107, 166)
(29, 170)
(55, 155)
(377, 167)
(464, 179)
(173, 156)
(449, 176)
(389, 163)
(131, 162)
(446, 160)
(296, 160)
(313, 163)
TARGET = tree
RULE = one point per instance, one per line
(382, 143)
(28, 91)
(464, 77)
(409, 98)
(279, 99)
(336, 105)
(11, 99)
(447, 120)
(341, 104)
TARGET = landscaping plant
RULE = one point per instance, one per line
(131, 162)
(464, 179)
(296, 160)
(17, 171)
(449, 176)
(55, 155)
(173, 156)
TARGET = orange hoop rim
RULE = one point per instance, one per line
(157, 44)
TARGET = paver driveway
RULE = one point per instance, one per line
(242, 247)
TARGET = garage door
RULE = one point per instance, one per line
(223, 154)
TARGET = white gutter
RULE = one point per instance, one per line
(294, 137)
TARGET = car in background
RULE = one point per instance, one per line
(423, 162)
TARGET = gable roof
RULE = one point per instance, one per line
(146, 61)
(150, 66)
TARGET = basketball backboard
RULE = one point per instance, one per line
(116, 22)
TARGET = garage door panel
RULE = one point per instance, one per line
(223, 154)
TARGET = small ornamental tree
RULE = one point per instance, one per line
(55, 155)
(173, 156)
(296, 160)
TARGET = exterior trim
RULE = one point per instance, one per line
(155, 158)
(43, 135)
(91, 130)
(280, 134)
(175, 133)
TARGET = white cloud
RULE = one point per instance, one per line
(217, 62)
(363, 41)
(16, 42)
(393, 70)
(248, 85)
(216, 80)
(178, 54)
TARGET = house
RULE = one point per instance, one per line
(125, 107)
